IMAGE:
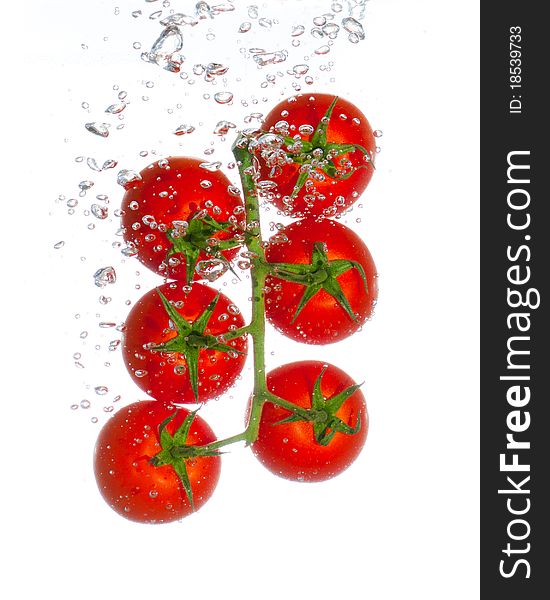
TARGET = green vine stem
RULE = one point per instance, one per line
(259, 270)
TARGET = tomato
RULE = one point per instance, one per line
(331, 160)
(304, 450)
(172, 344)
(344, 299)
(128, 480)
(171, 214)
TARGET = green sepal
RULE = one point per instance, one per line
(195, 239)
(190, 339)
(181, 470)
(319, 274)
(319, 139)
(322, 414)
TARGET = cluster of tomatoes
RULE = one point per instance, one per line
(186, 343)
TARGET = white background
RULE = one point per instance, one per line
(403, 520)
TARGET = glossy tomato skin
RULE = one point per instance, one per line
(174, 189)
(165, 376)
(133, 487)
(322, 320)
(290, 449)
(348, 125)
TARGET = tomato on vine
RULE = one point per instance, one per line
(179, 344)
(323, 285)
(317, 155)
(182, 219)
(325, 431)
(151, 465)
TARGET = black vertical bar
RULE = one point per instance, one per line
(515, 268)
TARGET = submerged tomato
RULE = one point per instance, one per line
(291, 449)
(127, 479)
(173, 345)
(339, 159)
(157, 211)
(325, 317)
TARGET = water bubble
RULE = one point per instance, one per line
(85, 404)
(99, 212)
(223, 97)
(377, 133)
(85, 185)
(126, 177)
(184, 129)
(267, 23)
(298, 30)
(210, 166)
(109, 164)
(322, 50)
(353, 26)
(179, 19)
(223, 127)
(299, 70)
(101, 129)
(101, 390)
(59, 245)
(92, 163)
(115, 109)
(253, 12)
(104, 276)
(319, 21)
(245, 27)
(270, 58)
(165, 50)
(212, 269)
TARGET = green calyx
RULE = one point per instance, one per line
(320, 274)
(319, 153)
(197, 238)
(176, 452)
(322, 414)
(190, 339)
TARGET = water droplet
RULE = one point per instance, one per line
(101, 390)
(165, 50)
(319, 21)
(85, 404)
(267, 23)
(104, 276)
(59, 245)
(298, 30)
(101, 129)
(245, 27)
(223, 97)
(179, 19)
(253, 11)
(377, 133)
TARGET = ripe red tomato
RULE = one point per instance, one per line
(158, 208)
(323, 319)
(173, 349)
(340, 159)
(127, 479)
(290, 449)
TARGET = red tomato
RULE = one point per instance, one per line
(170, 193)
(291, 449)
(127, 480)
(323, 319)
(165, 372)
(339, 173)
